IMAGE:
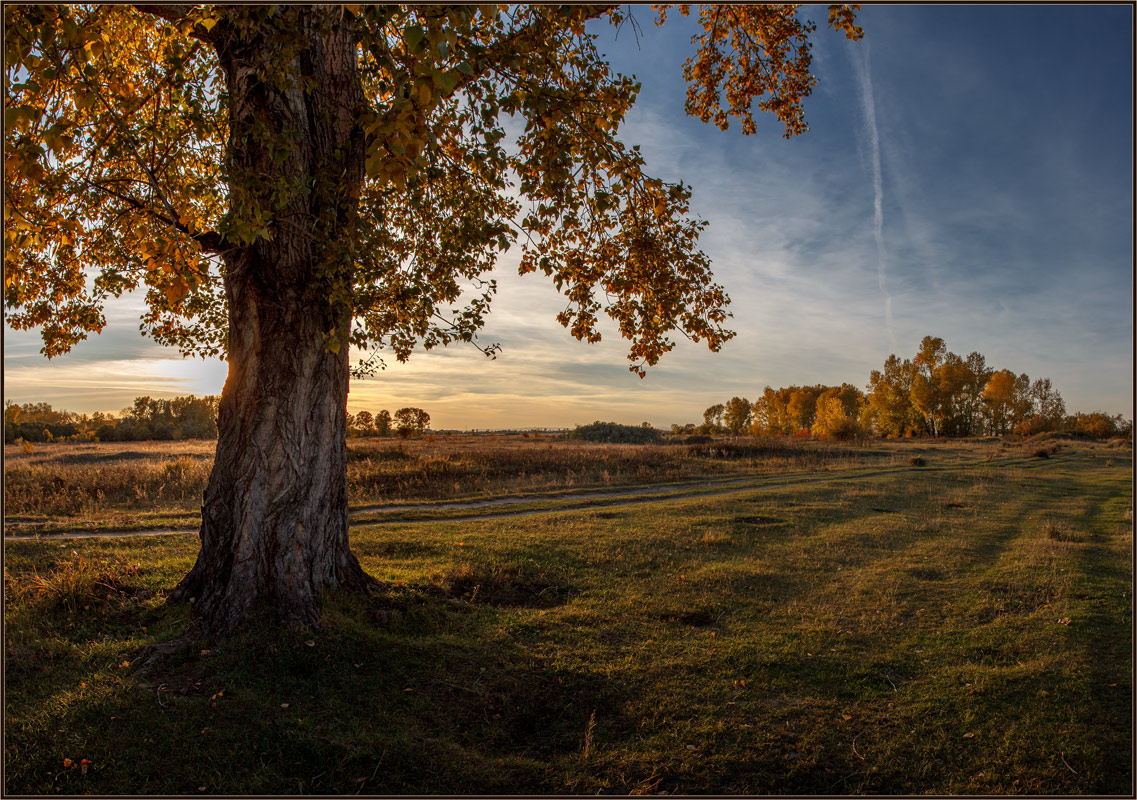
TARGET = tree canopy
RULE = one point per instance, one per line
(120, 169)
(286, 181)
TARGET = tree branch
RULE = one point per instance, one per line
(210, 241)
(482, 60)
(175, 14)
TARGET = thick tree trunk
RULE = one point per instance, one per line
(274, 518)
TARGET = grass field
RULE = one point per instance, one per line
(878, 626)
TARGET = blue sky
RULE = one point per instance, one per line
(968, 174)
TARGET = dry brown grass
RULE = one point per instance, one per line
(70, 480)
(75, 480)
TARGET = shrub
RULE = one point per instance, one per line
(917, 461)
(841, 430)
(614, 433)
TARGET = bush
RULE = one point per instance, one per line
(612, 432)
(840, 430)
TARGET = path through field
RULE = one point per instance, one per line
(440, 511)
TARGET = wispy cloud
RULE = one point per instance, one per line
(860, 59)
(1009, 231)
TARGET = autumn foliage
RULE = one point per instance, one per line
(936, 393)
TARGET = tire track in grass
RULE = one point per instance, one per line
(572, 502)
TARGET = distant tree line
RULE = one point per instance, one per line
(936, 393)
(187, 417)
(149, 418)
(406, 422)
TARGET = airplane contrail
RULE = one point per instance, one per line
(860, 59)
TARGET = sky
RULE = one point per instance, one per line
(967, 175)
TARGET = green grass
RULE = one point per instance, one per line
(961, 627)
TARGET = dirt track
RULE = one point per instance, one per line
(575, 501)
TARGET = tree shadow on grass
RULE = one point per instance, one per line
(405, 692)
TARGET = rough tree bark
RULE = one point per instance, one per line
(275, 516)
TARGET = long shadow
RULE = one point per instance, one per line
(401, 693)
(83, 459)
(1104, 637)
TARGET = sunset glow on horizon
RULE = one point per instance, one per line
(967, 175)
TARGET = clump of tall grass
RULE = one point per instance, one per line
(75, 584)
(1059, 531)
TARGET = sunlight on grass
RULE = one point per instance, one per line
(958, 628)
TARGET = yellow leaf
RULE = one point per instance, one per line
(84, 100)
(176, 290)
(208, 23)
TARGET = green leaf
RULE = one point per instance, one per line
(14, 115)
(413, 36)
(447, 81)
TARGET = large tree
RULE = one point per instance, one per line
(289, 182)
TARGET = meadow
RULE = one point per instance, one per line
(884, 617)
(135, 485)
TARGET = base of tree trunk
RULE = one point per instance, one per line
(221, 608)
